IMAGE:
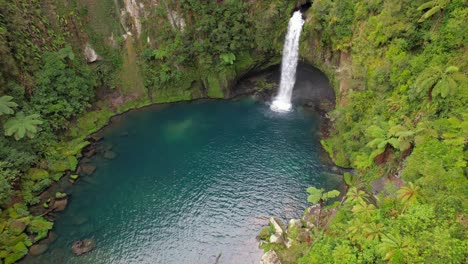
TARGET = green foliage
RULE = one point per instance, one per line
(64, 88)
(22, 125)
(228, 58)
(316, 195)
(431, 8)
(407, 94)
(40, 227)
(7, 105)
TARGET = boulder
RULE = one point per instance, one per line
(278, 225)
(81, 247)
(90, 54)
(109, 155)
(270, 257)
(276, 239)
(289, 242)
(59, 205)
(87, 169)
(17, 227)
(39, 249)
(293, 223)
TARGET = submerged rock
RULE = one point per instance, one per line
(59, 205)
(39, 249)
(81, 247)
(109, 155)
(270, 257)
(86, 169)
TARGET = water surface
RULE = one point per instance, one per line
(191, 182)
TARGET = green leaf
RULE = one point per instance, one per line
(6, 105)
(331, 194)
(314, 195)
(21, 125)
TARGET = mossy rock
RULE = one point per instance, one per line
(60, 195)
(18, 252)
(40, 226)
(16, 227)
(265, 233)
(36, 174)
(8, 240)
(214, 87)
(18, 210)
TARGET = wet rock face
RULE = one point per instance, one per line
(313, 89)
(81, 247)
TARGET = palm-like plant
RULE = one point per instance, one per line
(7, 105)
(364, 209)
(357, 196)
(392, 247)
(22, 125)
(434, 7)
(408, 194)
(439, 82)
(373, 231)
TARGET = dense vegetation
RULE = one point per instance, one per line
(399, 68)
(402, 114)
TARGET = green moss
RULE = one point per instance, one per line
(40, 226)
(36, 174)
(74, 177)
(17, 252)
(17, 211)
(214, 87)
(265, 233)
(60, 195)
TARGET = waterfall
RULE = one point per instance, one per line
(282, 101)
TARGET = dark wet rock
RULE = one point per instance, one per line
(81, 247)
(59, 205)
(95, 137)
(89, 152)
(270, 257)
(109, 155)
(38, 249)
(102, 148)
(86, 169)
(49, 239)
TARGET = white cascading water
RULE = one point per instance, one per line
(282, 101)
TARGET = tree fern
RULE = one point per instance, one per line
(21, 126)
(7, 105)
